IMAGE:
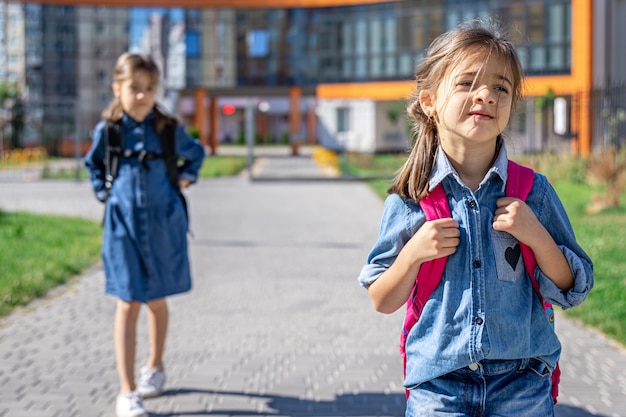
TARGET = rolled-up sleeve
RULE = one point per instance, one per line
(553, 216)
(396, 228)
(582, 270)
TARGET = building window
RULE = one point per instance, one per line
(193, 44)
(343, 119)
(258, 43)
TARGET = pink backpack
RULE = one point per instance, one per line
(435, 206)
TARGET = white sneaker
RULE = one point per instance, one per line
(130, 404)
(151, 381)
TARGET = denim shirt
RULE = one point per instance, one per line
(485, 307)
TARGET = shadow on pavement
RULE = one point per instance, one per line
(570, 411)
(367, 404)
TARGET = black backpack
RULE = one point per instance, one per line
(114, 150)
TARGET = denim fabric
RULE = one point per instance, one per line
(490, 388)
(144, 247)
(484, 307)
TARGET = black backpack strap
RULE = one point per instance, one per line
(168, 147)
(114, 145)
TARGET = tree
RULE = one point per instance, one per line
(12, 111)
(17, 122)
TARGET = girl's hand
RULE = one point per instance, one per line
(435, 239)
(184, 183)
(515, 217)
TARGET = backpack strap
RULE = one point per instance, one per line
(435, 206)
(168, 147)
(114, 146)
(519, 183)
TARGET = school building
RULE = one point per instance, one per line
(333, 72)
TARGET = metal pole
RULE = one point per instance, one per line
(249, 121)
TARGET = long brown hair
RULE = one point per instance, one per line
(126, 65)
(444, 54)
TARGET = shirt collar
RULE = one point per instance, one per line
(129, 121)
(443, 168)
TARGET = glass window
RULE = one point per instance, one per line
(347, 29)
(556, 26)
(535, 23)
(361, 37)
(343, 119)
(360, 68)
(537, 58)
(376, 66)
(258, 43)
(346, 68)
(376, 35)
(557, 58)
(391, 38)
(390, 66)
(192, 40)
(405, 67)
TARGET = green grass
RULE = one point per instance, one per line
(213, 166)
(64, 174)
(222, 166)
(600, 234)
(40, 252)
(384, 165)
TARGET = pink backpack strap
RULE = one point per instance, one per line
(435, 206)
(519, 183)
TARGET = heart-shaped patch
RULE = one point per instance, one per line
(512, 255)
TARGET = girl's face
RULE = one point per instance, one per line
(137, 94)
(473, 103)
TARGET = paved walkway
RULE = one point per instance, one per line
(276, 324)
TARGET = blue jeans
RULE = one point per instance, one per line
(487, 389)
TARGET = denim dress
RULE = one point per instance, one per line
(144, 245)
(485, 307)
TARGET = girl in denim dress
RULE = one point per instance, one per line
(144, 247)
(483, 345)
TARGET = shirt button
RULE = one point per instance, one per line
(476, 263)
(478, 321)
(473, 366)
(472, 203)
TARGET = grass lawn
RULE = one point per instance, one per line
(40, 252)
(222, 166)
(213, 166)
(600, 234)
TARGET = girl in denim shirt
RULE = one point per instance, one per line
(483, 345)
(144, 247)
